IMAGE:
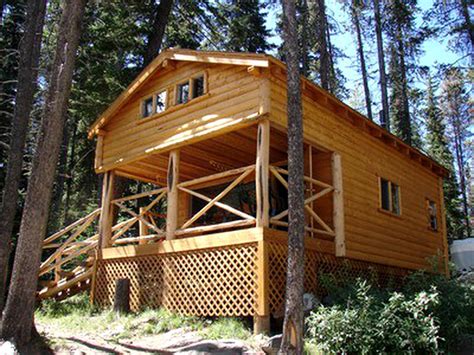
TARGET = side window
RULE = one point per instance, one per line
(147, 107)
(198, 86)
(182, 93)
(432, 214)
(389, 196)
(160, 100)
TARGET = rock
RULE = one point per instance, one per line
(224, 347)
(310, 302)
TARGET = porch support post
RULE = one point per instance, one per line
(106, 215)
(261, 321)
(262, 174)
(173, 195)
(338, 205)
(142, 228)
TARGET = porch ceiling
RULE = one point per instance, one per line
(228, 151)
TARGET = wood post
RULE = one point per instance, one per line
(122, 296)
(173, 195)
(106, 215)
(338, 205)
(261, 321)
(142, 228)
(262, 174)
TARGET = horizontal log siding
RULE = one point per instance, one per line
(232, 94)
(372, 235)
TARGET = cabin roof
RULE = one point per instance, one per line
(278, 69)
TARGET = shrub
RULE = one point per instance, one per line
(369, 322)
(430, 313)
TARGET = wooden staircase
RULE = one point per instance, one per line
(70, 256)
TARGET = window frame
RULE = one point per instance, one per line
(155, 101)
(176, 92)
(428, 203)
(143, 105)
(391, 183)
(190, 81)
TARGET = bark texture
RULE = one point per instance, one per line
(17, 322)
(324, 60)
(292, 341)
(155, 39)
(27, 74)
(381, 60)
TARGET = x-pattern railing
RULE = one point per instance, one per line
(308, 203)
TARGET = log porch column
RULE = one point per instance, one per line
(262, 318)
(106, 215)
(173, 195)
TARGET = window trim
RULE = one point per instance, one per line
(436, 215)
(190, 80)
(390, 199)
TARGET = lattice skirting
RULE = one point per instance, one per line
(224, 281)
(321, 268)
(213, 282)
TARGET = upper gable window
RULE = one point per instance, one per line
(160, 101)
(198, 86)
(432, 214)
(192, 88)
(182, 93)
(389, 196)
(147, 107)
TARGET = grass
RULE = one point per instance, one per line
(76, 316)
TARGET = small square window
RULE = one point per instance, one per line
(160, 101)
(389, 196)
(182, 94)
(385, 194)
(198, 86)
(147, 107)
(395, 198)
(432, 215)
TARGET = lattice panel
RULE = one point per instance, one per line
(217, 282)
(317, 264)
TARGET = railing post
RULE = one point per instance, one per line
(142, 227)
(338, 205)
(261, 321)
(173, 196)
(261, 174)
(106, 215)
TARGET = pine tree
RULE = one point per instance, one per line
(438, 148)
(293, 323)
(455, 107)
(17, 321)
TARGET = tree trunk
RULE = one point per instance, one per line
(292, 341)
(304, 38)
(324, 65)
(17, 322)
(363, 69)
(155, 39)
(122, 296)
(381, 60)
(467, 21)
(27, 75)
(405, 123)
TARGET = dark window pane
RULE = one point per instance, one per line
(147, 107)
(161, 102)
(395, 198)
(198, 86)
(384, 194)
(183, 93)
(433, 215)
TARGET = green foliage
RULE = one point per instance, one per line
(226, 328)
(430, 314)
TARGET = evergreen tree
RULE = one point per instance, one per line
(455, 107)
(438, 148)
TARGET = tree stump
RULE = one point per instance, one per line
(122, 296)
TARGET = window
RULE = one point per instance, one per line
(432, 214)
(182, 93)
(160, 100)
(198, 86)
(389, 196)
(147, 107)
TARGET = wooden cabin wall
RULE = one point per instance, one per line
(232, 93)
(371, 235)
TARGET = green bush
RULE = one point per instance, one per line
(369, 323)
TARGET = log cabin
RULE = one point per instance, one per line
(207, 134)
